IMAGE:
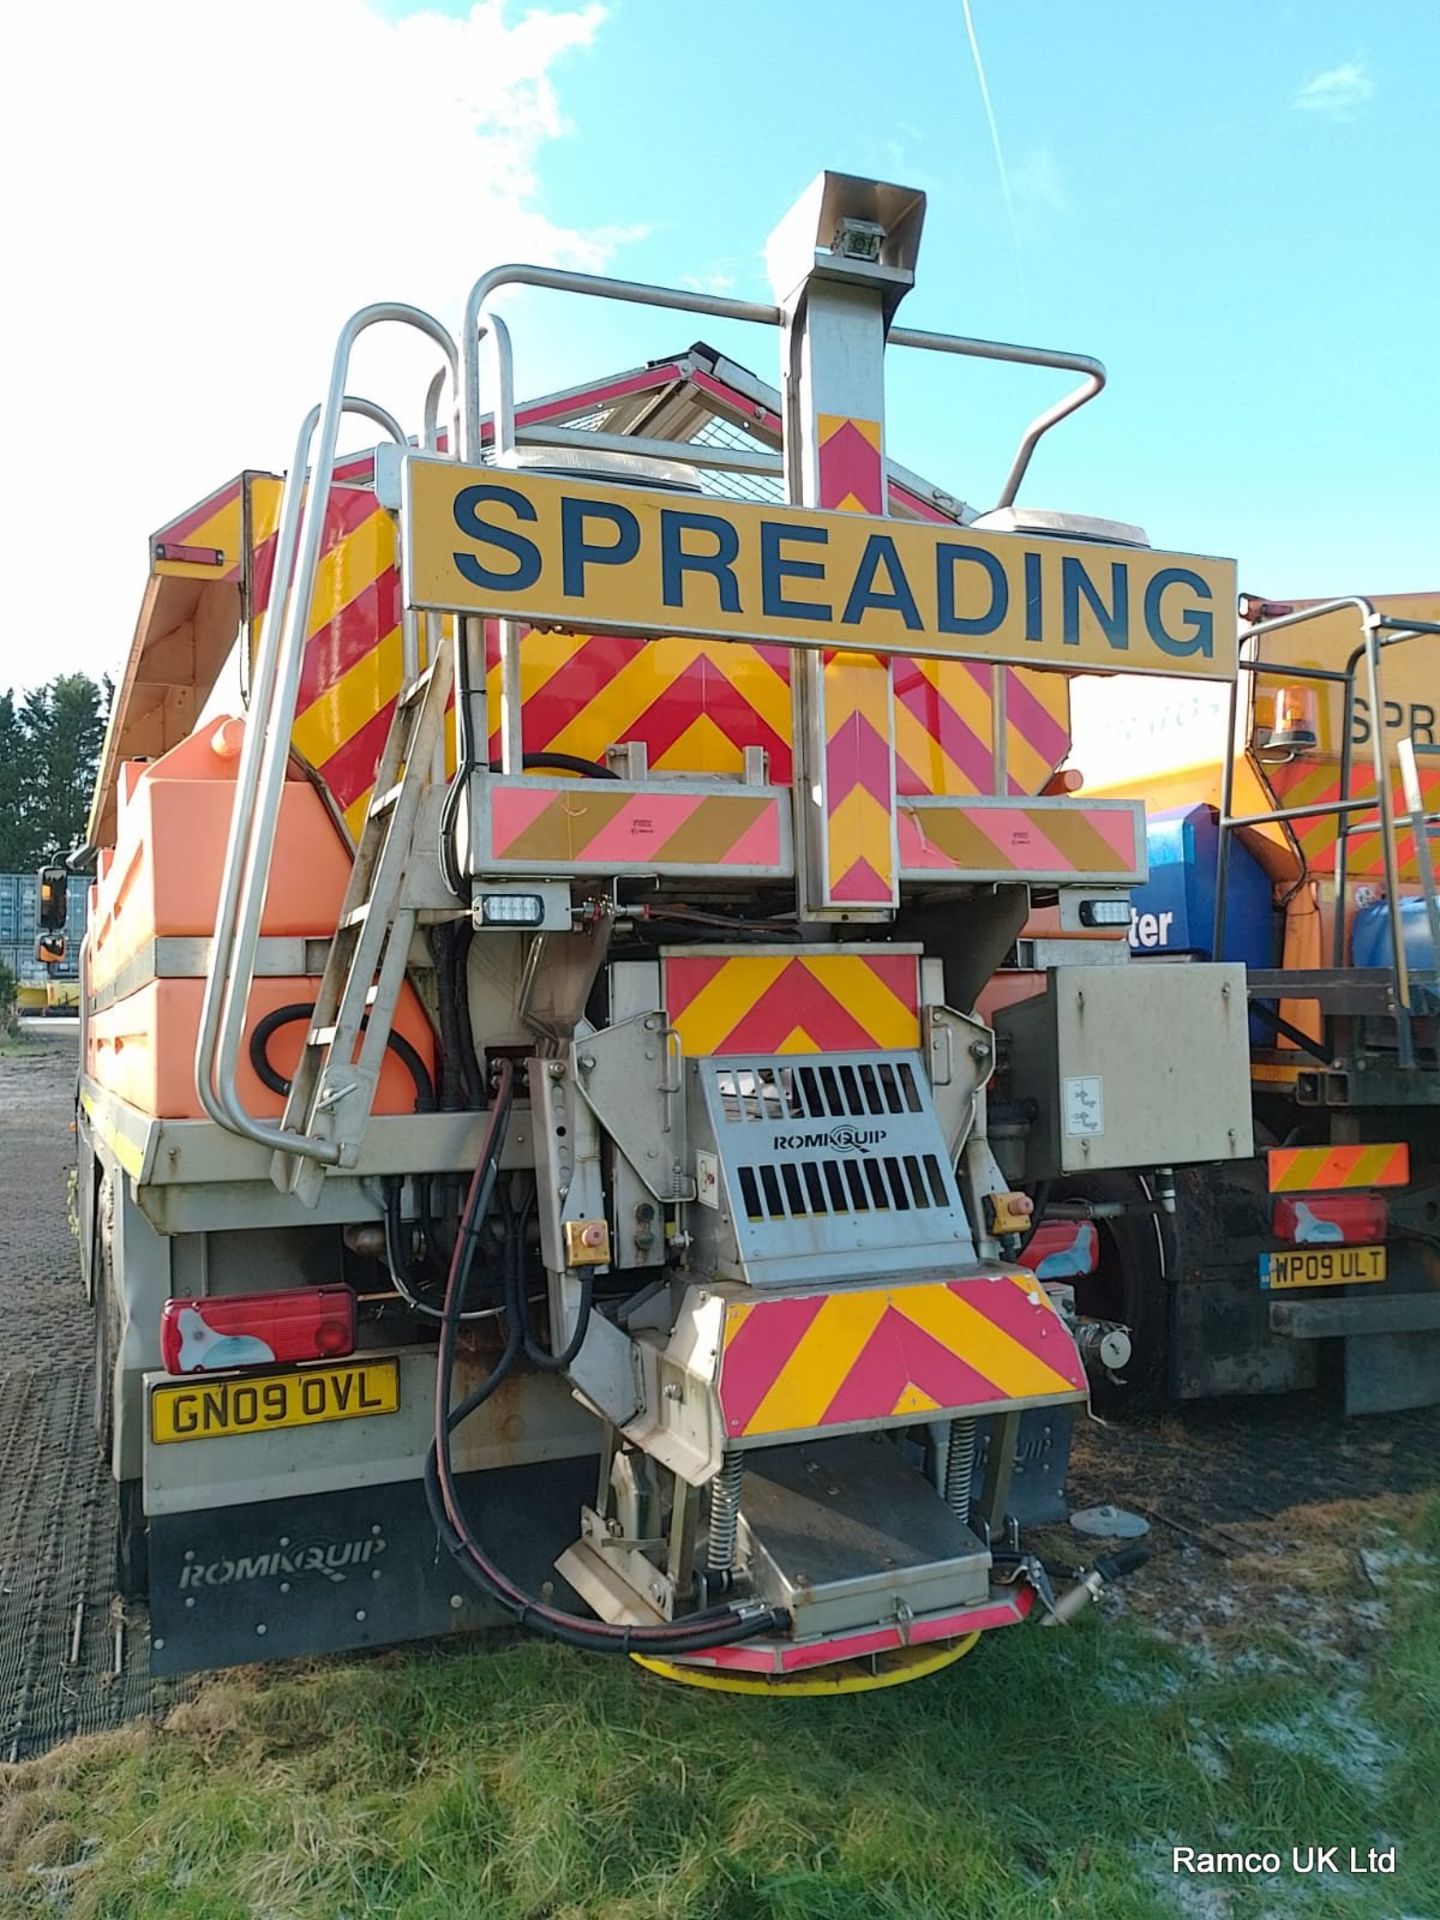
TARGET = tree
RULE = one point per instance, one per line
(15, 785)
(49, 754)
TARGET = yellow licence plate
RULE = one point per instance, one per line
(219, 1409)
(1321, 1267)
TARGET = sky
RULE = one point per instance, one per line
(1234, 206)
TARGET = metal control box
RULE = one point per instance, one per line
(1132, 1066)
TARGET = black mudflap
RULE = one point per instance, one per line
(331, 1572)
(1042, 1460)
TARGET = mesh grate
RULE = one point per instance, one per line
(847, 1091)
(829, 1164)
(765, 487)
(883, 1183)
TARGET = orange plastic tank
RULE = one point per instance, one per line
(161, 881)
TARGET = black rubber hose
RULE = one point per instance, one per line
(530, 763)
(721, 1628)
(563, 763)
(1115, 1566)
(398, 1266)
(516, 1220)
(557, 1362)
(441, 940)
(471, 1076)
(271, 1024)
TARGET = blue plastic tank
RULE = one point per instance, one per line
(1173, 914)
(1370, 936)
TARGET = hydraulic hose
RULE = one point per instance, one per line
(557, 1362)
(516, 1220)
(301, 1010)
(398, 1266)
(721, 1627)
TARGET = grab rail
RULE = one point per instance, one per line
(265, 751)
(1379, 633)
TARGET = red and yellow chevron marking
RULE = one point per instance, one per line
(1307, 783)
(851, 467)
(859, 781)
(695, 704)
(1056, 838)
(945, 726)
(831, 1002)
(816, 1360)
(1324, 1169)
(215, 524)
(855, 701)
(592, 823)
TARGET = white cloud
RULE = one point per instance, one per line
(1036, 183)
(716, 279)
(197, 195)
(1337, 93)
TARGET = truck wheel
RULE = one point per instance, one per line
(1130, 1285)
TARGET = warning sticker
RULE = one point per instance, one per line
(1084, 1104)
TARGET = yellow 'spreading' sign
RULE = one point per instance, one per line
(573, 553)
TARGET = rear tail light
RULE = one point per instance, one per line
(1063, 1250)
(213, 1334)
(1331, 1220)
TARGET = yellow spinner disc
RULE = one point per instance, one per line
(847, 1676)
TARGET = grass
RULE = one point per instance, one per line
(1047, 1775)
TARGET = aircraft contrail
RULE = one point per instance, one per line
(994, 126)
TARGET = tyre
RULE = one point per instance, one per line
(1131, 1285)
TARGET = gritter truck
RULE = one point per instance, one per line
(1290, 826)
(540, 1156)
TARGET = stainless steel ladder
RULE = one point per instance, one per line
(333, 1088)
(1341, 987)
(259, 785)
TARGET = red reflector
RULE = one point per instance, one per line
(1063, 1250)
(211, 1334)
(1336, 1220)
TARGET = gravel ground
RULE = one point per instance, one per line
(37, 1153)
(71, 1660)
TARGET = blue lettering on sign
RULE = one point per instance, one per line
(776, 567)
(1199, 621)
(864, 594)
(580, 553)
(1113, 621)
(676, 560)
(948, 555)
(524, 552)
(1034, 599)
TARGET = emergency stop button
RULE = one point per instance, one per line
(587, 1243)
(1008, 1212)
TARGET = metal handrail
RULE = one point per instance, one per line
(1378, 634)
(1392, 634)
(1406, 753)
(1092, 384)
(265, 752)
(482, 325)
